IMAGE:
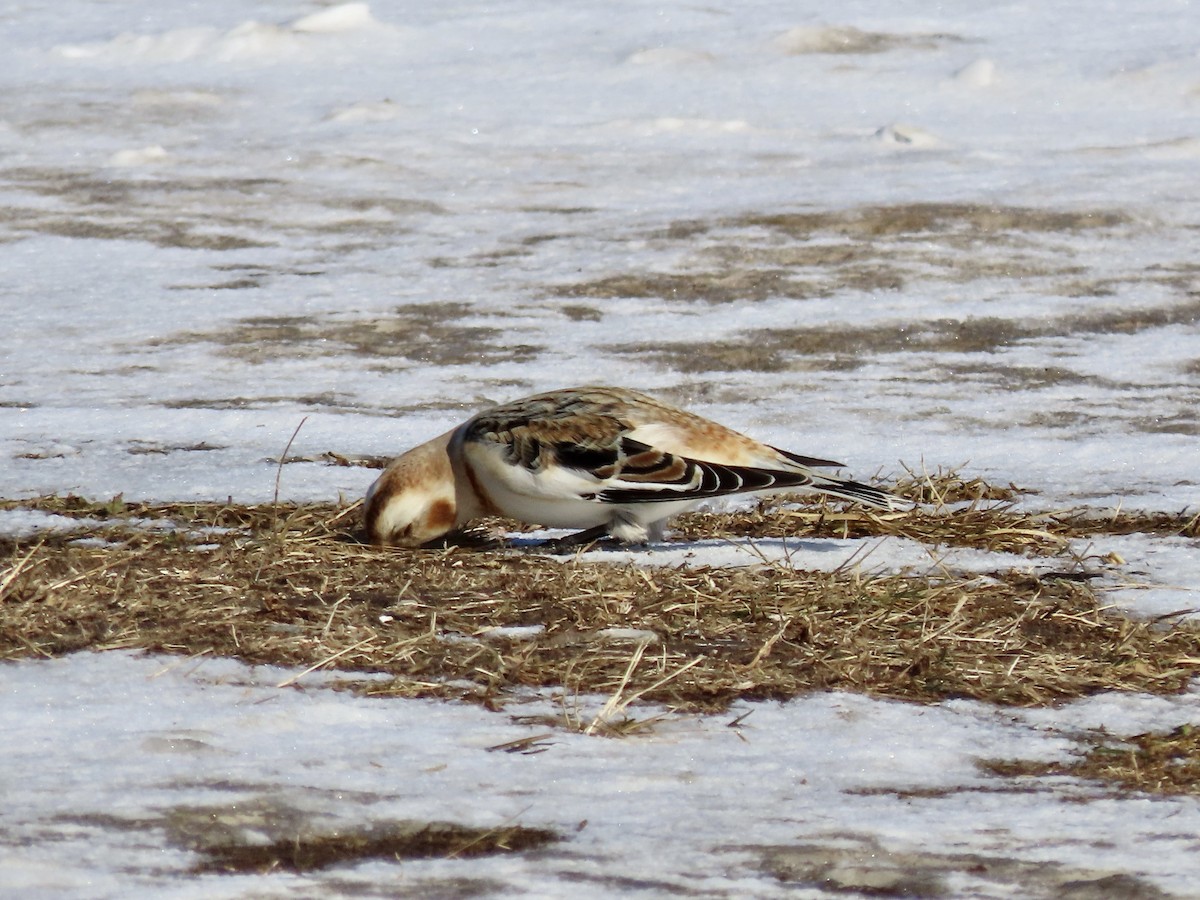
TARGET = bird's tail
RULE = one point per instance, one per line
(843, 487)
(856, 491)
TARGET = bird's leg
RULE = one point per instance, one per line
(578, 539)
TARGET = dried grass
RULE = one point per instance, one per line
(1163, 763)
(307, 852)
(956, 512)
(292, 586)
(261, 833)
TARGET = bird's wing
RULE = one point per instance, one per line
(611, 468)
(533, 449)
(645, 474)
(562, 447)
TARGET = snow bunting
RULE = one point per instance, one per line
(605, 460)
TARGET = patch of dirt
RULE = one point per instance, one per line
(710, 287)
(841, 347)
(208, 213)
(330, 402)
(581, 313)
(847, 40)
(1179, 423)
(974, 221)
(868, 249)
(265, 833)
(153, 448)
(433, 333)
(306, 851)
(861, 867)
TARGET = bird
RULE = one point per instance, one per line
(606, 461)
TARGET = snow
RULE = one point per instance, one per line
(222, 219)
(112, 748)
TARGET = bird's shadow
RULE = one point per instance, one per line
(766, 548)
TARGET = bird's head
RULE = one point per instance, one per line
(413, 502)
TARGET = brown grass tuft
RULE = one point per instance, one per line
(307, 852)
(1164, 763)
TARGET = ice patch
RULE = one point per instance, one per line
(1157, 577)
(346, 17)
(670, 125)
(172, 46)
(249, 41)
(513, 632)
(870, 556)
(365, 113)
(670, 56)
(22, 523)
(828, 39)
(143, 156)
(912, 136)
(185, 99)
(977, 74)
(845, 39)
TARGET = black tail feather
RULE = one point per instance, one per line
(702, 480)
(858, 492)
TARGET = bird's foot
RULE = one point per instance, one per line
(577, 541)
